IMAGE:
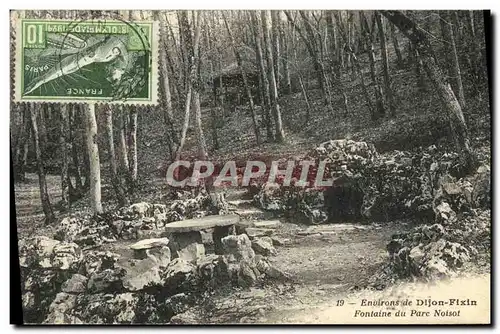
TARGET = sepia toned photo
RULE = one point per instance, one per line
(191, 167)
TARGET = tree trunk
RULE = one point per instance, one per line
(379, 102)
(284, 56)
(202, 146)
(275, 22)
(93, 152)
(192, 73)
(115, 180)
(213, 110)
(167, 97)
(75, 115)
(122, 142)
(259, 40)
(314, 51)
(245, 81)
(452, 57)
(42, 182)
(22, 144)
(133, 147)
(302, 87)
(65, 149)
(397, 48)
(280, 134)
(389, 99)
(42, 129)
(443, 89)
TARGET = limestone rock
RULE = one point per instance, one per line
(44, 252)
(254, 232)
(264, 246)
(192, 252)
(238, 248)
(108, 280)
(76, 284)
(179, 274)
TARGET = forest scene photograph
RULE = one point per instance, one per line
(251, 166)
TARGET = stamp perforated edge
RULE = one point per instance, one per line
(17, 17)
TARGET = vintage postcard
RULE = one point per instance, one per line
(251, 167)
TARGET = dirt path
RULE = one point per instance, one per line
(326, 262)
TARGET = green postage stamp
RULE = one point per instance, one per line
(89, 61)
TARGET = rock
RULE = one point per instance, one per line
(267, 224)
(178, 303)
(237, 248)
(108, 280)
(437, 268)
(63, 302)
(48, 253)
(76, 284)
(416, 254)
(269, 270)
(192, 252)
(444, 213)
(250, 214)
(179, 275)
(161, 255)
(140, 274)
(58, 318)
(140, 209)
(36, 251)
(264, 246)
(95, 261)
(254, 232)
(103, 308)
(213, 270)
(246, 274)
(277, 241)
(86, 232)
(451, 188)
(59, 309)
(149, 234)
(28, 301)
(66, 256)
(127, 303)
(186, 318)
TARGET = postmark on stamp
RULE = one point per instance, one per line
(110, 61)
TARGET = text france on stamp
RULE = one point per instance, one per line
(89, 61)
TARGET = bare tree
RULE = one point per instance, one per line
(380, 107)
(245, 80)
(397, 48)
(133, 147)
(167, 97)
(280, 134)
(22, 142)
(389, 96)
(202, 147)
(264, 81)
(452, 57)
(65, 149)
(192, 72)
(42, 182)
(275, 37)
(115, 180)
(435, 74)
(93, 153)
